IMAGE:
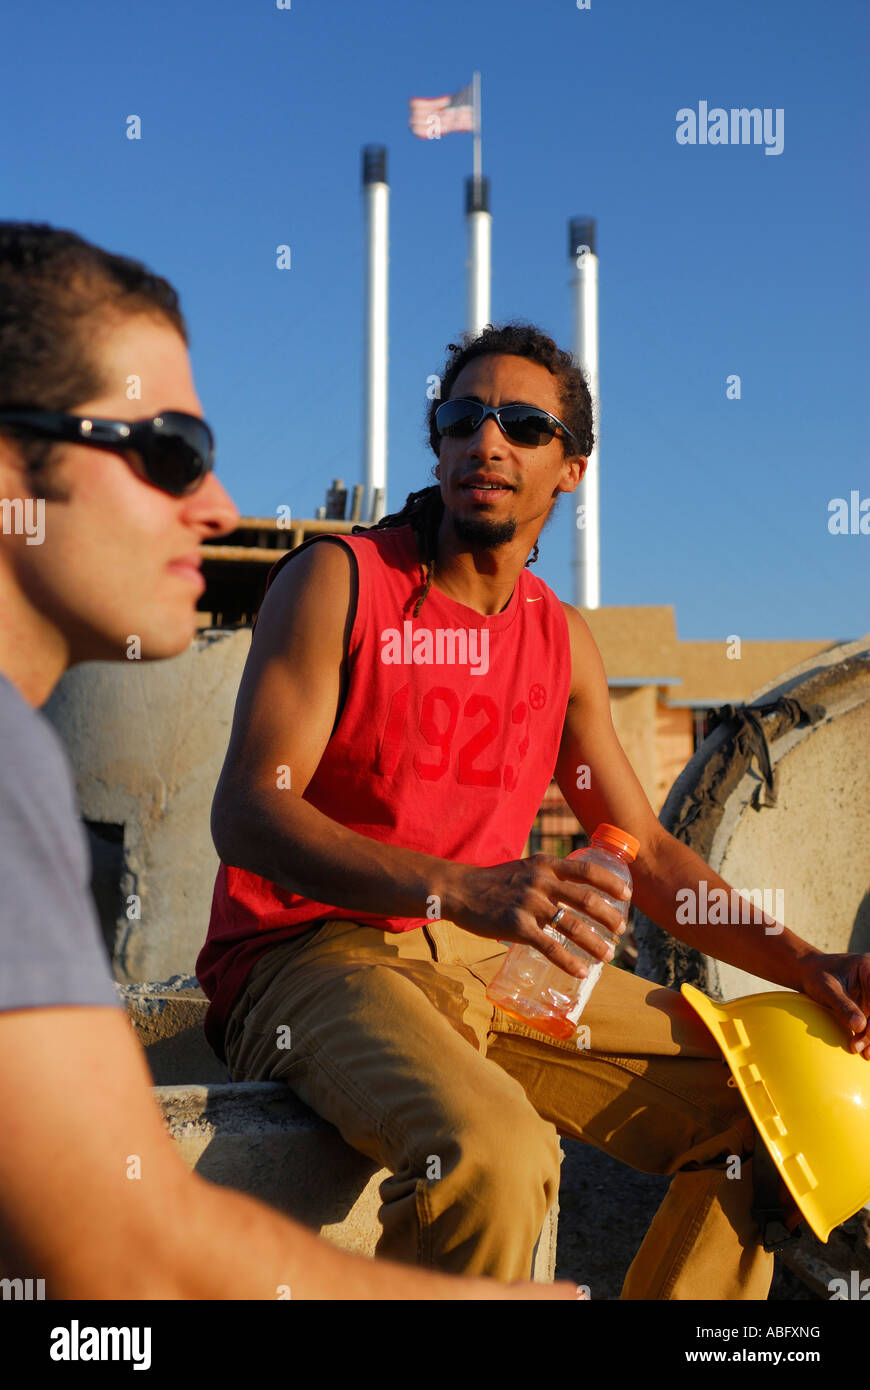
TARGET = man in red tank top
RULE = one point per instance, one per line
(409, 694)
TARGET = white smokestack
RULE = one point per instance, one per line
(587, 554)
(479, 221)
(376, 196)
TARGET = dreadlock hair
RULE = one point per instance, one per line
(423, 510)
(57, 293)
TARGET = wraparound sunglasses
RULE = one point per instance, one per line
(176, 449)
(522, 424)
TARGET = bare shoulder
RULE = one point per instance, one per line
(588, 677)
(294, 683)
(323, 570)
(577, 624)
(310, 604)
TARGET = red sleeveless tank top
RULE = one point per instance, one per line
(446, 744)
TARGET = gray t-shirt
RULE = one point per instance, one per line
(51, 948)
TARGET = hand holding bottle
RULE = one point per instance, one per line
(529, 985)
(517, 902)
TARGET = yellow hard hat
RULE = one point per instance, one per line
(807, 1093)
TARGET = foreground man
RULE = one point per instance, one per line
(408, 695)
(99, 545)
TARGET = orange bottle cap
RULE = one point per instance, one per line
(613, 838)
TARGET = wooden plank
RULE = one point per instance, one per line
(250, 554)
(308, 524)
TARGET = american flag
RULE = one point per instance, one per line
(432, 117)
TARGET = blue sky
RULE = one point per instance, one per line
(713, 259)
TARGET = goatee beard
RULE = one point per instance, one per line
(480, 531)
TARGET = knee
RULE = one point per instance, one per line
(506, 1159)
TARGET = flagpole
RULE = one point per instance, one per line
(478, 154)
(479, 225)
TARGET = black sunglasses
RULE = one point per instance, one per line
(177, 450)
(522, 424)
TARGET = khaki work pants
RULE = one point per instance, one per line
(393, 1040)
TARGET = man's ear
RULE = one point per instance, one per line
(579, 463)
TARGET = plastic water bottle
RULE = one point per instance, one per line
(528, 986)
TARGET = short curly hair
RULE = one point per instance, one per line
(520, 339)
(56, 289)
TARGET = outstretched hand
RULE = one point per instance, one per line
(842, 984)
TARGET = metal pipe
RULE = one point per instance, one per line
(376, 198)
(479, 224)
(587, 552)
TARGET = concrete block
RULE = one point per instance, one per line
(167, 1017)
(258, 1138)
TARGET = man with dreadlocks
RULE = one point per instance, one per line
(410, 691)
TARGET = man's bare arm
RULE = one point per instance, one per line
(286, 711)
(663, 866)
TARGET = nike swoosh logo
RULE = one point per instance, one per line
(535, 600)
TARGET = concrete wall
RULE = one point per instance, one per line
(814, 846)
(147, 744)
